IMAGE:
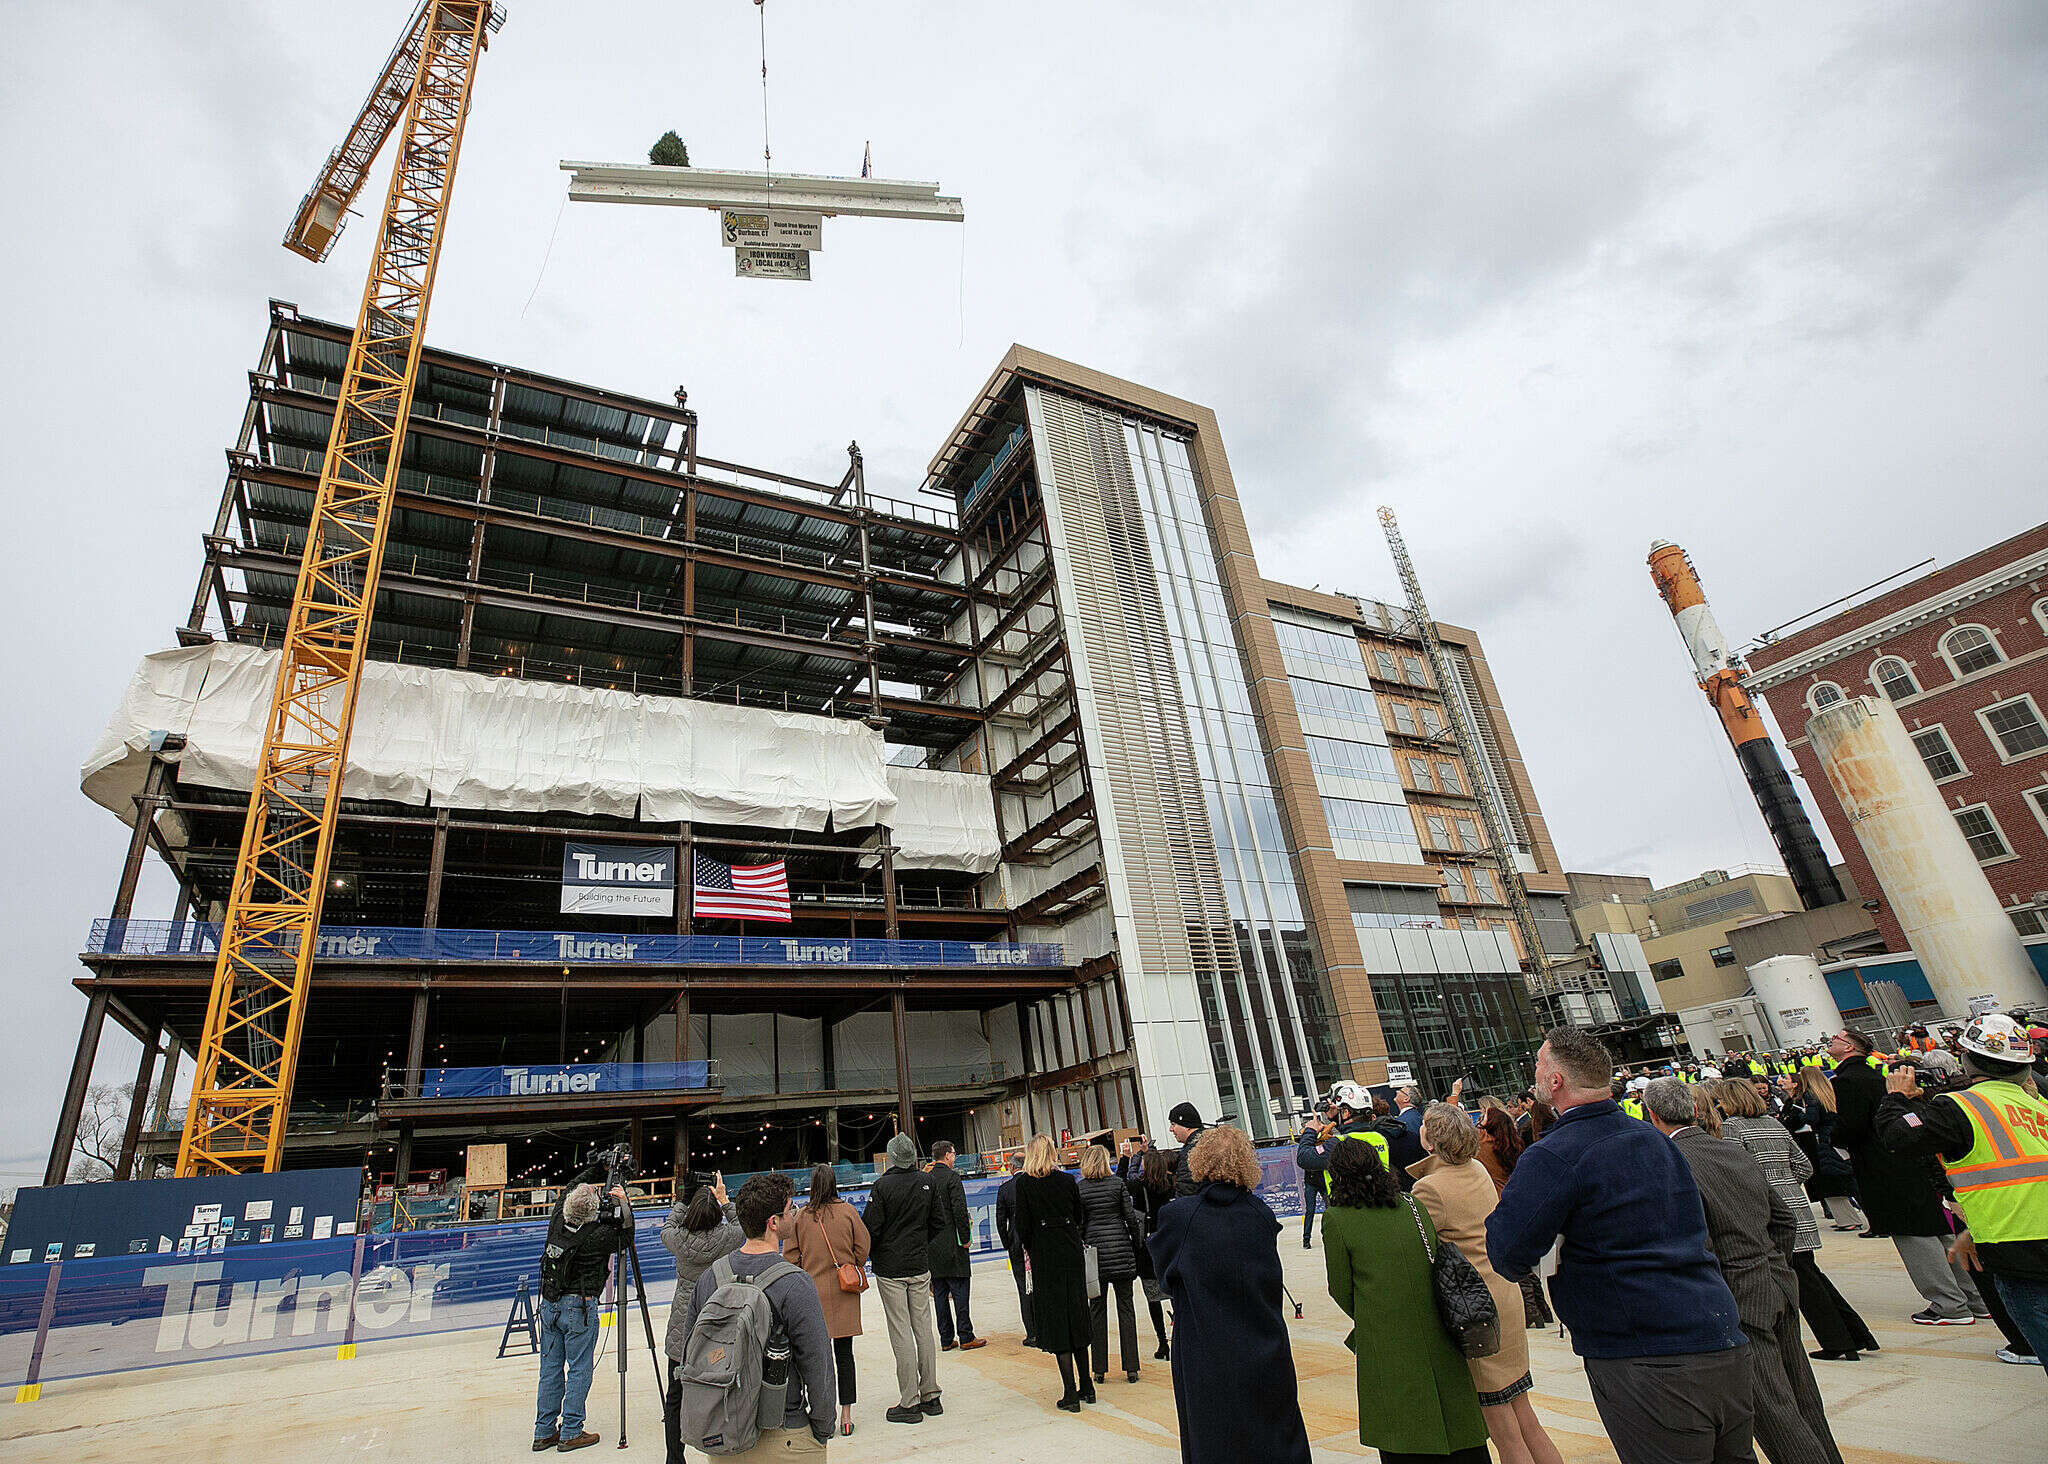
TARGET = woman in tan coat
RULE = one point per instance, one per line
(829, 1233)
(1458, 1193)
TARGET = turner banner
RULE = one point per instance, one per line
(582, 1077)
(618, 879)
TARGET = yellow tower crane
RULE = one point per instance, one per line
(248, 1054)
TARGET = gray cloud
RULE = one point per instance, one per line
(1553, 281)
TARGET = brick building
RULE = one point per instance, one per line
(1962, 653)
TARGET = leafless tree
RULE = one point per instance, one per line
(102, 1123)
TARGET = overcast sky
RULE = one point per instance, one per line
(1552, 280)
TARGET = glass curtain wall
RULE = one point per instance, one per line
(1280, 983)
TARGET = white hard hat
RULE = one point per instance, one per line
(1998, 1037)
(1351, 1096)
(1636, 1085)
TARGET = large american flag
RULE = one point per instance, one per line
(739, 891)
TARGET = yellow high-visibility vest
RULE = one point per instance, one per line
(2001, 1185)
(1379, 1146)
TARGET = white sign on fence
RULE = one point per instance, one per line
(1400, 1072)
(753, 262)
(776, 230)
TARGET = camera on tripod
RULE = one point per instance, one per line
(619, 1171)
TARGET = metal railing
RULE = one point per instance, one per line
(379, 943)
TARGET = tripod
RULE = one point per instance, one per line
(626, 1258)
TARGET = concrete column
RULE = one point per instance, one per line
(74, 1092)
(831, 1136)
(138, 1099)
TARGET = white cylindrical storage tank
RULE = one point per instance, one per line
(1796, 996)
(1967, 945)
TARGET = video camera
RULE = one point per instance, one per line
(619, 1171)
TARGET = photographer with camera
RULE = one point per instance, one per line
(1989, 1131)
(757, 1378)
(696, 1233)
(587, 1226)
(1347, 1114)
(1901, 1193)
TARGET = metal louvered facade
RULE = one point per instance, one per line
(1225, 989)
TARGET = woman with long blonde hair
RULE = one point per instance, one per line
(1050, 1221)
(1811, 1117)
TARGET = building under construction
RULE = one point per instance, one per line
(1080, 816)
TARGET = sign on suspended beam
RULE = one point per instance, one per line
(790, 193)
(758, 262)
(776, 230)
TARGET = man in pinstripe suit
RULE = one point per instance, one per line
(1751, 1230)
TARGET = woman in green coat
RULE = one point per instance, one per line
(1415, 1396)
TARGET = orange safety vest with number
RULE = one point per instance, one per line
(2001, 1185)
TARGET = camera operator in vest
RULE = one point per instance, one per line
(1992, 1139)
(1347, 1114)
(583, 1233)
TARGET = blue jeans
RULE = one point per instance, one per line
(2028, 1303)
(949, 1293)
(568, 1343)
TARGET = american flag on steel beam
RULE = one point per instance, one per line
(739, 891)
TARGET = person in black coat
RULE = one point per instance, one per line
(1186, 1122)
(1218, 1258)
(951, 1273)
(1112, 1228)
(1151, 1186)
(1901, 1193)
(1049, 1223)
(1006, 1232)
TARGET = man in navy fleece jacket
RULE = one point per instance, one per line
(1636, 1283)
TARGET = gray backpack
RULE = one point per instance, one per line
(724, 1403)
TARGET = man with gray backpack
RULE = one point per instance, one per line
(756, 1379)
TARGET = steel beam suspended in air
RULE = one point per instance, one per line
(872, 198)
(248, 1053)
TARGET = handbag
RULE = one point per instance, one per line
(1091, 1266)
(1463, 1304)
(852, 1279)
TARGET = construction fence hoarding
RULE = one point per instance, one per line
(107, 1314)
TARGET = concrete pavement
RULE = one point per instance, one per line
(1932, 1394)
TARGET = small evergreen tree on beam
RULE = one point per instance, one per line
(670, 151)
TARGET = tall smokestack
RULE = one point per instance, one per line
(1721, 680)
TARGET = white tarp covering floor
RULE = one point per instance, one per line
(944, 821)
(459, 740)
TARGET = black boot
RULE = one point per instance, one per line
(1070, 1401)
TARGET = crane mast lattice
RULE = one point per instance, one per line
(1499, 837)
(248, 1052)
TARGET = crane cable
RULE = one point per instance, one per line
(767, 156)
